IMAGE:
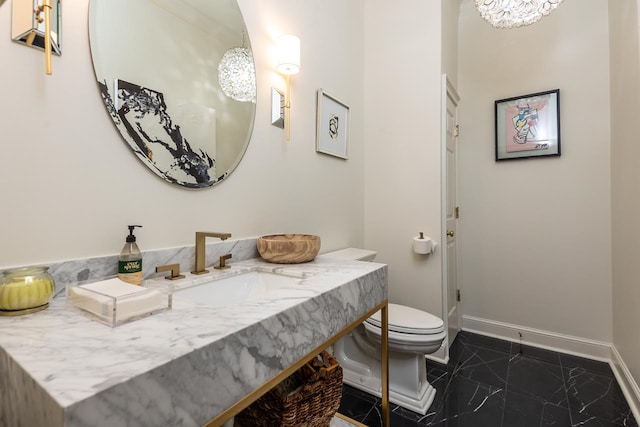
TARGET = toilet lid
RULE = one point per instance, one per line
(408, 320)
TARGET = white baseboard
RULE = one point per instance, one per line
(577, 346)
(628, 385)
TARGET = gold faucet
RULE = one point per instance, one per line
(201, 237)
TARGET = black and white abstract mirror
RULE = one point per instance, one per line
(177, 78)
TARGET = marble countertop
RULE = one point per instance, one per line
(181, 367)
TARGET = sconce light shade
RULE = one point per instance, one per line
(288, 55)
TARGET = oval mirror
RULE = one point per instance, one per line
(178, 79)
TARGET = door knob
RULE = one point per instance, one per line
(451, 233)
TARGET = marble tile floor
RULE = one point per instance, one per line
(494, 383)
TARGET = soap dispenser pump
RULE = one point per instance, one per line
(130, 260)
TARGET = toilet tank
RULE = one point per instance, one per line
(352, 254)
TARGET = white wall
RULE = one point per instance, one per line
(402, 135)
(70, 186)
(450, 13)
(534, 235)
(625, 110)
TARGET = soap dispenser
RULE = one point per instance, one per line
(130, 260)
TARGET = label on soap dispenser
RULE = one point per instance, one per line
(130, 271)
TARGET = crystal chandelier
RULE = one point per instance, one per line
(237, 74)
(515, 13)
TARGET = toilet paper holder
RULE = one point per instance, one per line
(423, 245)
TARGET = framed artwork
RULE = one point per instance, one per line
(528, 126)
(332, 126)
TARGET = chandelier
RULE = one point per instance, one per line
(237, 74)
(515, 13)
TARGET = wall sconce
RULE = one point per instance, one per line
(37, 26)
(287, 63)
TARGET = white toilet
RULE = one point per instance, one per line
(412, 334)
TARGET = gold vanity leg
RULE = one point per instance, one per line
(385, 365)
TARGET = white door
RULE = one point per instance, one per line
(451, 213)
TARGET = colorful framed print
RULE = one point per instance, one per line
(528, 126)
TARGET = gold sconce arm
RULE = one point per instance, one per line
(287, 109)
(46, 7)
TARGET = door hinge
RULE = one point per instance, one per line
(457, 212)
(456, 131)
(458, 296)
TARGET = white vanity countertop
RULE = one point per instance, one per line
(181, 367)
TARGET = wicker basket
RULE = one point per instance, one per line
(308, 398)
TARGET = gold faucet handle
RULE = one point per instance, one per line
(223, 264)
(173, 268)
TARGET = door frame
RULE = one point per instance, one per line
(448, 90)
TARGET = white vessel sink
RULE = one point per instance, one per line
(249, 286)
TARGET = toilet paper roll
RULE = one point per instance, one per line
(423, 245)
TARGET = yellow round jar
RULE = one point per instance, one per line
(27, 289)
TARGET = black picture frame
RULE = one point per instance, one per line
(528, 126)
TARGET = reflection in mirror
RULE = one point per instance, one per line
(156, 62)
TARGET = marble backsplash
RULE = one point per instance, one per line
(73, 271)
